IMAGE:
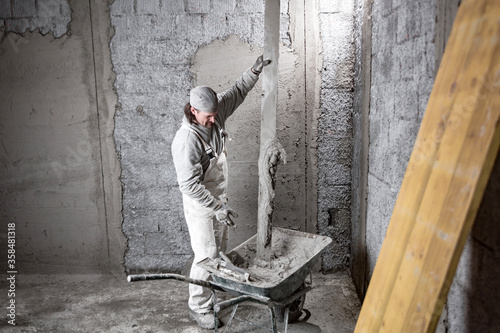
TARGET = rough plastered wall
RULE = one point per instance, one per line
(59, 180)
(360, 125)
(335, 130)
(162, 49)
(402, 74)
(407, 43)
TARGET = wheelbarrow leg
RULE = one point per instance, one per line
(274, 320)
(214, 302)
(230, 321)
(285, 322)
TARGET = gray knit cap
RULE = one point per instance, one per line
(203, 98)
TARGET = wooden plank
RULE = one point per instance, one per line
(268, 117)
(448, 169)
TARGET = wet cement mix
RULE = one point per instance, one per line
(290, 252)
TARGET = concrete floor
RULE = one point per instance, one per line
(110, 304)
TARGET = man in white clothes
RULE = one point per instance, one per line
(199, 155)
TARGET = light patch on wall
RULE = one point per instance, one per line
(45, 15)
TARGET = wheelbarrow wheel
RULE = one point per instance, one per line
(295, 310)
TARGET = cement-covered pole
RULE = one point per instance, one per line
(268, 120)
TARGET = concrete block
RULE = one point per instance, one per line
(458, 309)
(17, 25)
(338, 51)
(337, 197)
(335, 174)
(174, 217)
(23, 9)
(240, 26)
(159, 243)
(147, 7)
(384, 34)
(424, 87)
(48, 8)
(223, 6)
(385, 67)
(123, 8)
(410, 21)
(382, 8)
(151, 198)
(335, 7)
(216, 23)
(380, 202)
(336, 116)
(5, 9)
(257, 28)
(136, 242)
(172, 6)
(336, 150)
(284, 30)
(406, 100)
(284, 7)
(191, 28)
(401, 140)
(65, 9)
(142, 220)
(198, 6)
(251, 6)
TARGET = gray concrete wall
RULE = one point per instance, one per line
(361, 109)
(161, 50)
(59, 178)
(407, 43)
(62, 179)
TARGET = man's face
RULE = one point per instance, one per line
(204, 118)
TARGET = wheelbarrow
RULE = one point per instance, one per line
(283, 291)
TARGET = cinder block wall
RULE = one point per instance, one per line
(153, 49)
(335, 129)
(69, 169)
(160, 50)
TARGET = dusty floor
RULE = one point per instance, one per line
(110, 304)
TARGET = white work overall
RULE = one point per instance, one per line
(208, 236)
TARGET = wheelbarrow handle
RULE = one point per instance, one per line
(166, 276)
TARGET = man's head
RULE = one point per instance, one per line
(203, 105)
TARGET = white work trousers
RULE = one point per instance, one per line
(208, 236)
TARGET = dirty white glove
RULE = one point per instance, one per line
(259, 64)
(223, 215)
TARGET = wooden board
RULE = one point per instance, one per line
(445, 179)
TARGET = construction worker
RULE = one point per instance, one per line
(199, 155)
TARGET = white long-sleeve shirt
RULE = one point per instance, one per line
(188, 154)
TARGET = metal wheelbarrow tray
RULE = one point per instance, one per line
(276, 288)
(296, 250)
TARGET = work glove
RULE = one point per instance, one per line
(259, 64)
(223, 215)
